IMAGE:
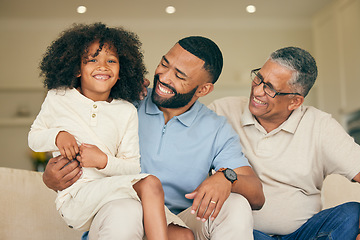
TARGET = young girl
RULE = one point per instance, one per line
(91, 72)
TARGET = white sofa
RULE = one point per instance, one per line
(337, 189)
(27, 208)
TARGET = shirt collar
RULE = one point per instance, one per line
(247, 118)
(293, 121)
(150, 107)
(289, 125)
(187, 118)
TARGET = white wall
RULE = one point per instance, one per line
(245, 45)
(336, 40)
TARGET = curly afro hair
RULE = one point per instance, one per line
(61, 62)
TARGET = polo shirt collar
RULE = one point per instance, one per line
(289, 125)
(247, 118)
(150, 107)
(187, 118)
(293, 121)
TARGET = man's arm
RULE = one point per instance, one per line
(249, 185)
(357, 178)
(213, 192)
(60, 173)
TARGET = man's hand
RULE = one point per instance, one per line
(61, 173)
(210, 196)
(92, 156)
(67, 145)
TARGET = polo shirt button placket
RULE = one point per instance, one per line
(94, 111)
(262, 148)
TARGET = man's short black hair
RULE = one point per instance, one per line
(206, 50)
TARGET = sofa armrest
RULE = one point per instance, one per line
(337, 190)
(27, 208)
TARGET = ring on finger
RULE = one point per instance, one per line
(213, 202)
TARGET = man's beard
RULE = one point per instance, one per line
(177, 101)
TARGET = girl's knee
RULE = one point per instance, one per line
(149, 185)
(153, 182)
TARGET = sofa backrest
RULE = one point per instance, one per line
(27, 208)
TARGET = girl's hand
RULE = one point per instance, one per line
(92, 156)
(67, 145)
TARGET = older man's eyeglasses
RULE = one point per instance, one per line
(258, 79)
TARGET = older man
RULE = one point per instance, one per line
(292, 148)
(181, 140)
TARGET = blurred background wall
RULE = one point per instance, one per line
(329, 29)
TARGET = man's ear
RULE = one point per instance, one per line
(295, 102)
(204, 89)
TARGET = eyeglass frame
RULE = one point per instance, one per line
(276, 93)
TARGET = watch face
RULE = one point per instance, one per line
(230, 174)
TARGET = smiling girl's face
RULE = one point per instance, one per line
(99, 73)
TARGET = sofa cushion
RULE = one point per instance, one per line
(27, 208)
(338, 189)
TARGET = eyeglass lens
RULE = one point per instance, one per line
(257, 80)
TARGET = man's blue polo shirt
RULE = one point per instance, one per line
(182, 152)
